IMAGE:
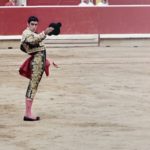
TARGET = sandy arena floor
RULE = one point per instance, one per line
(99, 99)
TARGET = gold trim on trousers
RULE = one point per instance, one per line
(37, 68)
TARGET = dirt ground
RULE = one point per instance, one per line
(99, 99)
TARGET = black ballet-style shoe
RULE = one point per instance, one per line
(31, 119)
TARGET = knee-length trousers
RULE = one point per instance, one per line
(37, 68)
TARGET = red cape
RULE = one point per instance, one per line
(25, 69)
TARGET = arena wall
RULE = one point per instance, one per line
(79, 20)
(52, 2)
(2, 2)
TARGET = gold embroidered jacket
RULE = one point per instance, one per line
(32, 42)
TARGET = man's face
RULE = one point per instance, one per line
(33, 25)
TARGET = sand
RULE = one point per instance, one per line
(99, 99)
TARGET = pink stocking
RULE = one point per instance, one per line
(28, 114)
(29, 107)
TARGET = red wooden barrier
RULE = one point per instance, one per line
(79, 20)
(52, 2)
(2, 2)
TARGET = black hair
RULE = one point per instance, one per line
(33, 18)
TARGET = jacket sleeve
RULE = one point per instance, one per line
(34, 38)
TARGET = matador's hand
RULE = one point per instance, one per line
(48, 30)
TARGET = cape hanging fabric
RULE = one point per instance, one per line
(25, 70)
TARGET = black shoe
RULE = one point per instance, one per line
(31, 119)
